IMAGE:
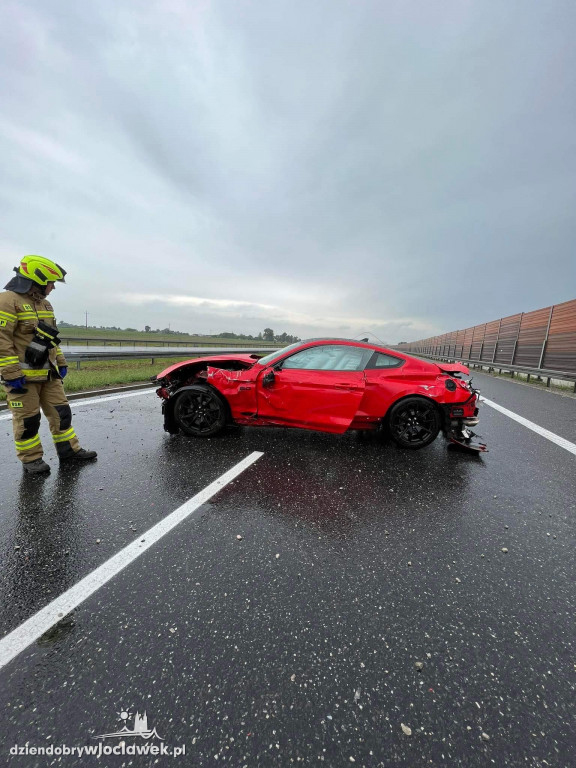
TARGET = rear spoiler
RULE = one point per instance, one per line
(452, 368)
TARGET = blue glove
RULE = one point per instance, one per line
(63, 370)
(17, 384)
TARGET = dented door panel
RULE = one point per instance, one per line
(239, 389)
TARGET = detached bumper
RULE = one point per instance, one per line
(170, 425)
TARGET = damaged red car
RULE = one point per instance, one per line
(329, 385)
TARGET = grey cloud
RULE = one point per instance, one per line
(413, 163)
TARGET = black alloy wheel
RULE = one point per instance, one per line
(414, 422)
(200, 411)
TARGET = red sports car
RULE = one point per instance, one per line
(329, 385)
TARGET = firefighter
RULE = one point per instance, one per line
(32, 365)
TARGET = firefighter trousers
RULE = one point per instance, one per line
(48, 395)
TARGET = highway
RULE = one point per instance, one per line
(272, 597)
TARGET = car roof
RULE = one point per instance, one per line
(370, 344)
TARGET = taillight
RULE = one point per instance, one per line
(163, 393)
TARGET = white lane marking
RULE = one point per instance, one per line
(92, 400)
(34, 627)
(561, 441)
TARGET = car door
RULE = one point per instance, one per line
(319, 387)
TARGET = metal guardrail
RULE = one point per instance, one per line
(67, 340)
(538, 373)
(79, 357)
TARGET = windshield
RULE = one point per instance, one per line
(279, 353)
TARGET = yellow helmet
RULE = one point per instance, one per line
(42, 271)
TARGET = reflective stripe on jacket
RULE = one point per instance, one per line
(19, 316)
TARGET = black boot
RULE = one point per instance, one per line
(36, 467)
(80, 455)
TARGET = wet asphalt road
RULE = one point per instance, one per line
(299, 642)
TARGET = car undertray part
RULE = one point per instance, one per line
(464, 438)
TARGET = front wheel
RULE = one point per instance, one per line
(414, 422)
(200, 411)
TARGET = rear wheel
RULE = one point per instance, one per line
(200, 411)
(414, 422)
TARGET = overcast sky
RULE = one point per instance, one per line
(316, 166)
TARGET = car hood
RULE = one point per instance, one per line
(212, 361)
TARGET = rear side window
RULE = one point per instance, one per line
(380, 360)
(333, 357)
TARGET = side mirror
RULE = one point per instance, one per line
(268, 379)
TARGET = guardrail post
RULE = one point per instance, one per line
(77, 365)
(546, 337)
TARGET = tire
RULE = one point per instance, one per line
(414, 422)
(200, 411)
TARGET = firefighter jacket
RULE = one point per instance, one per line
(19, 316)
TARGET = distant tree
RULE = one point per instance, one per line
(268, 334)
(285, 338)
(147, 328)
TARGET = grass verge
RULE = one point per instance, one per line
(96, 335)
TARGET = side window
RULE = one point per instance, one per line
(313, 358)
(333, 357)
(380, 360)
